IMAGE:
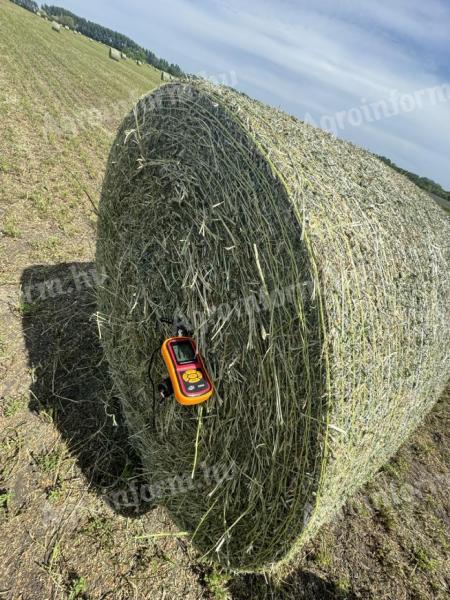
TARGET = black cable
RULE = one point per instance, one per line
(165, 320)
(150, 364)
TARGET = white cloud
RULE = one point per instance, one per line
(315, 56)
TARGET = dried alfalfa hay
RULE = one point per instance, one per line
(114, 54)
(317, 281)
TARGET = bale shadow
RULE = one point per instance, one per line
(300, 585)
(71, 382)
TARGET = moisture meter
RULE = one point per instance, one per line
(188, 377)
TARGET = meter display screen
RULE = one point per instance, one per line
(184, 352)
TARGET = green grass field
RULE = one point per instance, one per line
(63, 446)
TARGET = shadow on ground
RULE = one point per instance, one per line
(70, 375)
(71, 383)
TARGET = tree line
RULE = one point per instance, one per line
(423, 182)
(28, 4)
(109, 37)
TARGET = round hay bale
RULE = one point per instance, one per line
(56, 26)
(316, 280)
(114, 54)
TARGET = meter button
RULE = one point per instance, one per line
(192, 376)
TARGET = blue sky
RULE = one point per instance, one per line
(327, 62)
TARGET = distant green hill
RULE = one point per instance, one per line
(423, 182)
(110, 37)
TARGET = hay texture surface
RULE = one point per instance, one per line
(317, 282)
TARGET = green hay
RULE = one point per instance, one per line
(211, 198)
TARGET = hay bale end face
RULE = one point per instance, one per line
(56, 26)
(316, 280)
(114, 54)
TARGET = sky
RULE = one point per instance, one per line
(376, 73)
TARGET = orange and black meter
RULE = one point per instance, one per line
(190, 381)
